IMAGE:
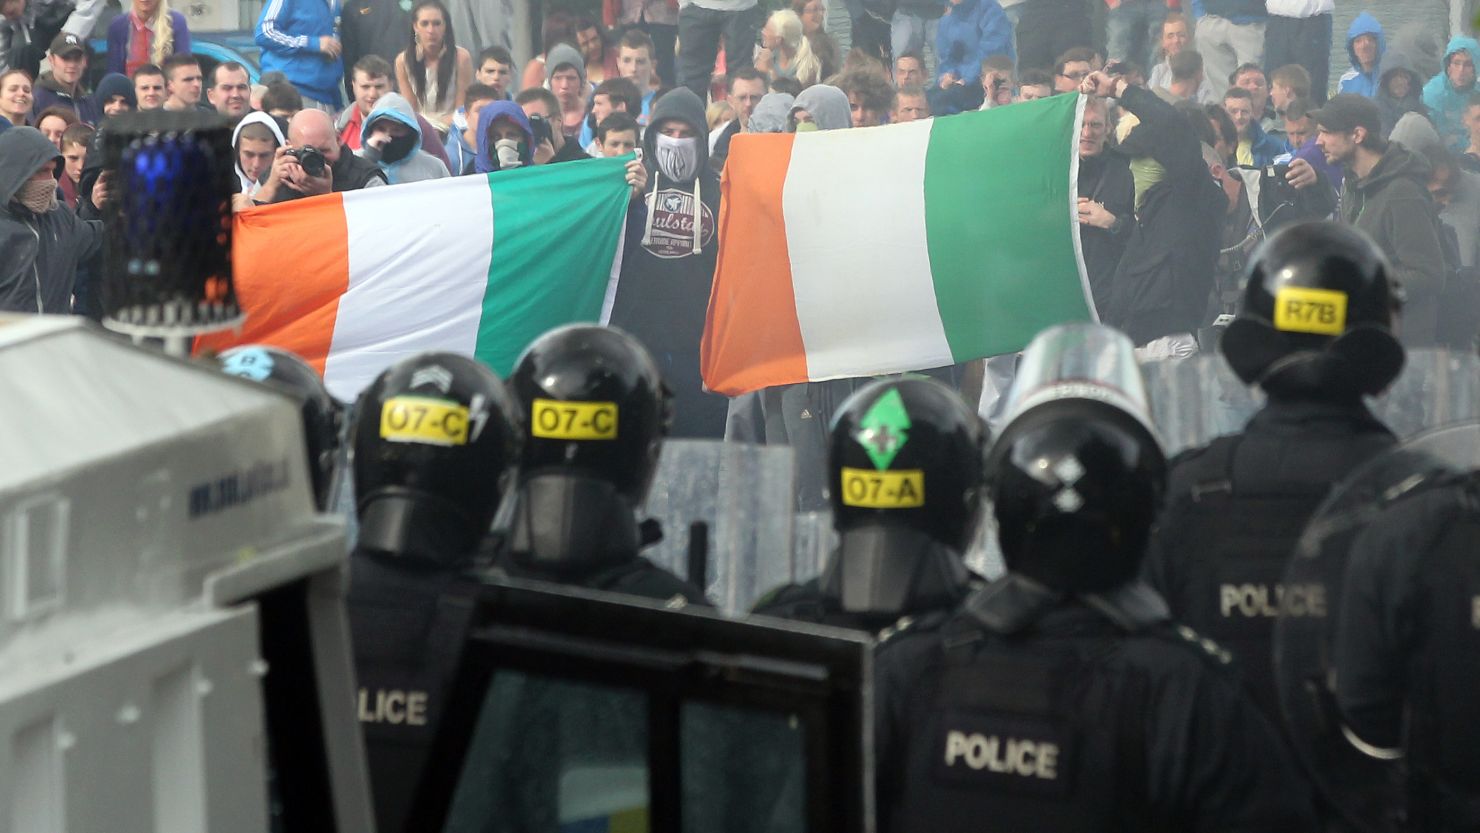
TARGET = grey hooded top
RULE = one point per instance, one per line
(416, 166)
(41, 250)
(771, 112)
(1416, 133)
(828, 106)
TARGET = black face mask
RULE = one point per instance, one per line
(397, 149)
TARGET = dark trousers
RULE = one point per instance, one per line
(1048, 29)
(664, 37)
(1301, 40)
(699, 31)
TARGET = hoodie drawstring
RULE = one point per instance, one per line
(698, 214)
(647, 226)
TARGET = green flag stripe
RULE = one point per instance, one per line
(543, 273)
(998, 225)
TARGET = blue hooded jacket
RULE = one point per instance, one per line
(1446, 104)
(1355, 80)
(416, 166)
(485, 162)
(1262, 146)
(973, 31)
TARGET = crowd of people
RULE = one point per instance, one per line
(1203, 134)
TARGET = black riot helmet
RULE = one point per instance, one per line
(595, 411)
(1318, 315)
(1077, 476)
(435, 444)
(905, 465)
(323, 415)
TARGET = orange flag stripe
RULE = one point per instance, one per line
(303, 242)
(752, 278)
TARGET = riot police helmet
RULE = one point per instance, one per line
(1318, 314)
(595, 411)
(323, 415)
(907, 453)
(435, 443)
(1077, 476)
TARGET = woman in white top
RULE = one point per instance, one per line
(434, 72)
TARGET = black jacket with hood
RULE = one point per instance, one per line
(1166, 276)
(668, 269)
(41, 251)
(1392, 205)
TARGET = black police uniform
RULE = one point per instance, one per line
(1075, 720)
(435, 443)
(1234, 512)
(1313, 332)
(1062, 697)
(1407, 648)
(905, 461)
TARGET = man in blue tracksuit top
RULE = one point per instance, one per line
(299, 38)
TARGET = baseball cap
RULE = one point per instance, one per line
(65, 44)
(1349, 111)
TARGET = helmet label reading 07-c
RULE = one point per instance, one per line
(418, 419)
(866, 489)
(552, 419)
(1298, 309)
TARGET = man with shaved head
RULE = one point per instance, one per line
(294, 173)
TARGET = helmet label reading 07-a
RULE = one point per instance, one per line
(552, 419)
(419, 419)
(866, 489)
(1299, 309)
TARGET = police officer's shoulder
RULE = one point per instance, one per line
(1175, 644)
(644, 578)
(1195, 470)
(790, 600)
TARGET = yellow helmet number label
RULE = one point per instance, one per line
(552, 419)
(867, 489)
(420, 419)
(1301, 310)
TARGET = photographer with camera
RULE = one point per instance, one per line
(314, 162)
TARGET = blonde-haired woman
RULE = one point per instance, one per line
(148, 34)
(786, 52)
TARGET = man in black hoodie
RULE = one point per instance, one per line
(668, 265)
(42, 239)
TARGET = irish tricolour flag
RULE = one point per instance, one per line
(860, 252)
(478, 265)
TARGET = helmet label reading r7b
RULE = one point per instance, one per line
(1301, 310)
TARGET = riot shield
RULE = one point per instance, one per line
(575, 710)
(743, 495)
(1197, 399)
(1363, 788)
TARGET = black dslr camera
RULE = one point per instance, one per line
(310, 158)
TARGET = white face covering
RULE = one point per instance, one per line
(507, 151)
(38, 195)
(678, 159)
